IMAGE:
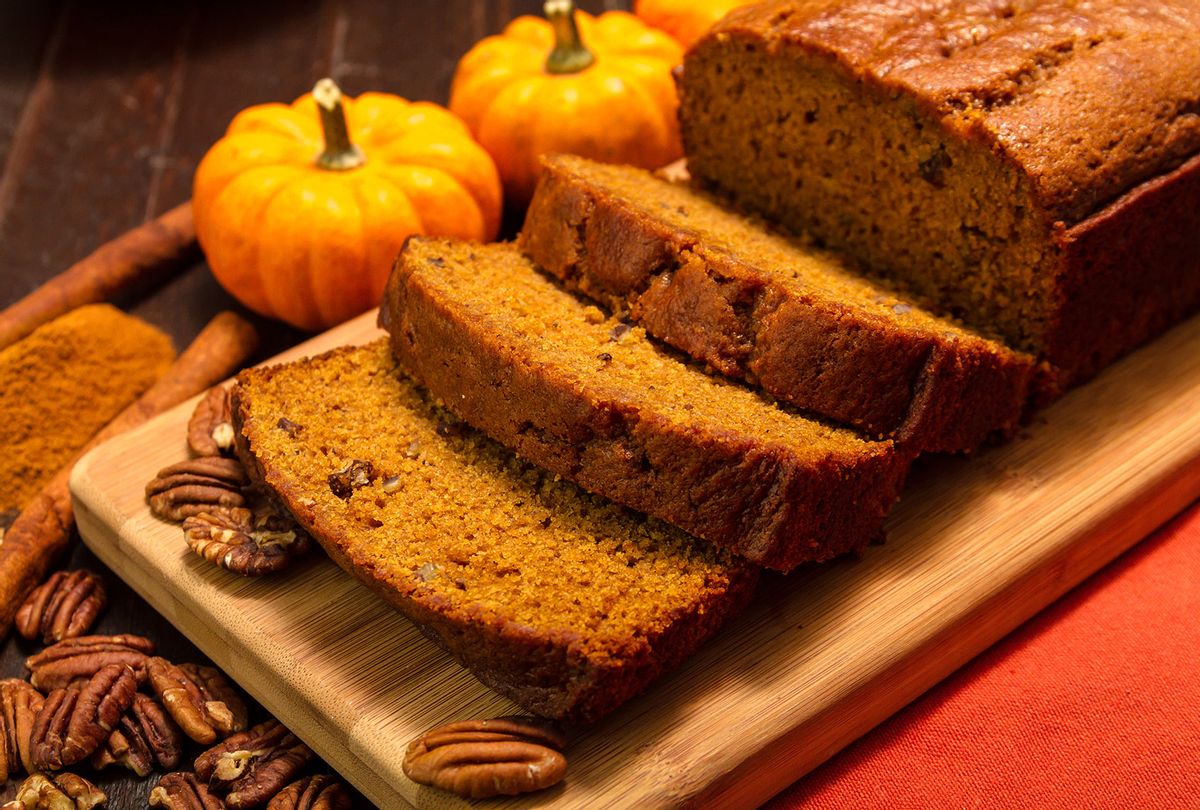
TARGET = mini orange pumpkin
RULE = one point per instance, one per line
(686, 20)
(594, 86)
(302, 209)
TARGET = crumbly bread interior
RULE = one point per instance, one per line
(455, 521)
(537, 319)
(804, 269)
(874, 177)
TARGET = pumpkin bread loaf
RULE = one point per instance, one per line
(1032, 166)
(565, 603)
(755, 305)
(590, 398)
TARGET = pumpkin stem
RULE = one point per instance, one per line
(339, 154)
(569, 54)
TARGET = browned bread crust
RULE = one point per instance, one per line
(1031, 166)
(1128, 272)
(537, 370)
(853, 355)
(1089, 101)
(547, 668)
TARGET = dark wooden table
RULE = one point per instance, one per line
(107, 107)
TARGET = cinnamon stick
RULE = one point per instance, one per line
(142, 256)
(40, 533)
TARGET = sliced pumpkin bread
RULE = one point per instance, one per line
(1034, 167)
(566, 603)
(592, 399)
(755, 305)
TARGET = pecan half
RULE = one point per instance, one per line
(50, 729)
(245, 542)
(197, 485)
(127, 750)
(77, 659)
(146, 737)
(483, 758)
(64, 791)
(19, 706)
(64, 606)
(74, 722)
(320, 792)
(182, 791)
(199, 698)
(210, 430)
(252, 766)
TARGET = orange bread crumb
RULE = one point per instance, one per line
(800, 322)
(566, 603)
(592, 399)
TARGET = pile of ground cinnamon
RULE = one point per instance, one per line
(64, 382)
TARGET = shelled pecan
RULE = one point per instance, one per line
(245, 542)
(197, 485)
(145, 737)
(320, 792)
(355, 475)
(77, 659)
(210, 430)
(74, 722)
(289, 427)
(483, 758)
(19, 706)
(127, 750)
(64, 606)
(199, 698)
(182, 791)
(49, 731)
(63, 791)
(252, 766)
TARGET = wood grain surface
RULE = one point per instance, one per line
(107, 106)
(975, 547)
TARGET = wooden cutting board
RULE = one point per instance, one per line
(975, 547)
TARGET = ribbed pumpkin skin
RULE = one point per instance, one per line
(621, 109)
(313, 246)
(685, 20)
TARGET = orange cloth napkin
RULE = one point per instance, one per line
(1094, 703)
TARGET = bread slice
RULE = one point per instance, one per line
(592, 399)
(752, 304)
(565, 603)
(1032, 167)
